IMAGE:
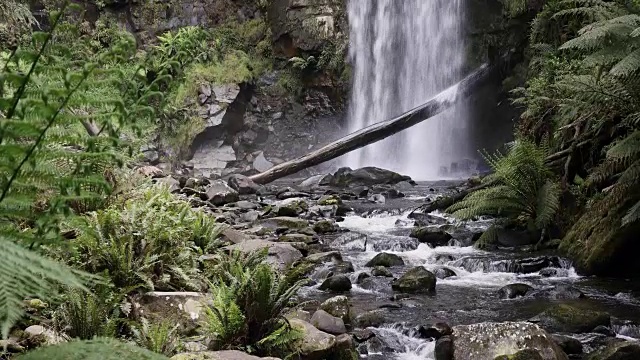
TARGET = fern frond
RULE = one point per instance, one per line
(633, 214)
(24, 274)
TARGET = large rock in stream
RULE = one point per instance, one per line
(492, 340)
(565, 318)
(367, 176)
(416, 281)
(432, 236)
(386, 260)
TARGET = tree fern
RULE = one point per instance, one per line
(522, 189)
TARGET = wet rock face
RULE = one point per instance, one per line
(566, 318)
(431, 236)
(417, 280)
(338, 283)
(513, 291)
(491, 340)
(618, 351)
(305, 25)
(367, 176)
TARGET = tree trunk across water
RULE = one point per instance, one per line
(384, 129)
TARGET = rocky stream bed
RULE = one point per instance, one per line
(408, 285)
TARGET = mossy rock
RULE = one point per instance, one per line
(565, 318)
(526, 354)
(330, 200)
(386, 260)
(623, 350)
(416, 281)
(598, 243)
(98, 349)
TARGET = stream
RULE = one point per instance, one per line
(466, 298)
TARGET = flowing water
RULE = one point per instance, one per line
(404, 52)
(468, 297)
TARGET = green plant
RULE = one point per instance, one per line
(15, 20)
(85, 316)
(46, 166)
(161, 338)
(151, 241)
(250, 299)
(96, 349)
(522, 189)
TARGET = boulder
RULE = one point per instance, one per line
(513, 291)
(417, 280)
(250, 216)
(182, 308)
(566, 318)
(261, 164)
(526, 354)
(324, 257)
(361, 277)
(624, 350)
(234, 236)
(301, 238)
(243, 185)
(444, 272)
(285, 222)
(377, 199)
(381, 271)
(219, 193)
(246, 205)
(435, 331)
(568, 344)
(170, 183)
(281, 254)
(217, 355)
(326, 322)
(431, 236)
(315, 344)
(444, 348)
(490, 340)
(367, 319)
(338, 283)
(345, 348)
(386, 260)
(330, 200)
(338, 306)
(325, 227)
(342, 267)
(291, 207)
(367, 176)
(150, 171)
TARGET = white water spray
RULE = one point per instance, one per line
(404, 52)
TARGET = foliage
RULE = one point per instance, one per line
(250, 299)
(85, 316)
(161, 338)
(96, 349)
(15, 21)
(521, 189)
(152, 241)
(47, 166)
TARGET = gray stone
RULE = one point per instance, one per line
(513, 291)
(444, 272)
(217, 355)
(372, 318)
(377, 198)
(246, 205)
(306, 239)
(250, 216)
(386, 260)
(234, 236)
(431, 236)
(325, 226)
(417, 280)
(381, 271)
(324, 257)
(282, 254)
(338, 283)
(490, 340)
(326, 322)
(366, 176)
(261, 163)
(338, 306)
(316, 344)
(226, 93)
(219, 193)
(285, 222)
(170, 183)
(565, 318)
(243, 185)
(568, 344)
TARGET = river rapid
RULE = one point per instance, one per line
(471, 296)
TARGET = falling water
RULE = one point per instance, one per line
(404, 52)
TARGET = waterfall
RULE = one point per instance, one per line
(403, 53)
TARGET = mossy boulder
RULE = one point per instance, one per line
(491, 340)
(432, 236)
(97, 349)
(417, 281)
(386, 260)
(597, 242)
(526, 354)
(623, 350)
(565, 318)
(330, 200)
(338, 306)
(315, 344)
(324, 227)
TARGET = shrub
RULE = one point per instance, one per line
(151, 241)
(97, 349)
(85, 316)
(250, 299)
(161, 338)
(521, 190)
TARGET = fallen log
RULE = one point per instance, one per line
(384, 129)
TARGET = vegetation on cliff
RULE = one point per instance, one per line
(579, 100)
